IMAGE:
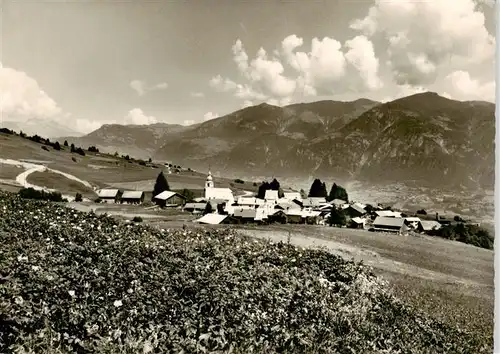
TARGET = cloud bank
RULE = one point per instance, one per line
(141, 88)
(399, 47)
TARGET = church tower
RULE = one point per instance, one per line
(209, 183)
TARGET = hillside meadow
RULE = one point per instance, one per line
(81, 282)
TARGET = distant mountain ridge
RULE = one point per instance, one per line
(423, 137)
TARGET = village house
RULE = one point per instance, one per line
(358, 223)
(169, 199)
(271, 196)
(387, 213)
(109, 195)
(388, 224)
(428, 225)
(132, 197)
(277, 216)
(211, 192)
(412, 222)
(195, 208)
(354, 210)
(313, 203)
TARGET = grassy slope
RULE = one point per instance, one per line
(106, 170)
(192, 290)
(452, 280)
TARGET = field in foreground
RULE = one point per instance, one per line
(75, 282)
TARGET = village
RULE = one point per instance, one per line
(219, 206)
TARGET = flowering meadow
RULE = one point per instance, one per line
(73, 282)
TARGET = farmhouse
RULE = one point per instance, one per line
(195, 207)
(109, 195)
(428, 225)
(388, 213)
(132, 197)
(358, 222)
(354, 210)
(392, 224)
(412, 222)
(277, 216)
(169, 199)
(217, 193)
(313, 202)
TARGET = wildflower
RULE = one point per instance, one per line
(117, 303)
(71, 293)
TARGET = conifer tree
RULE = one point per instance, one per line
(161, 185)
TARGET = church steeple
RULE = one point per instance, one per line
(209, 183)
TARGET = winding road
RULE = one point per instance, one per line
(21, 179)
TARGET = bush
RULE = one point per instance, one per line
(45, 148)
(6, 131)
(137, 219)
(470, 234)
(89, 284)
(142, 162)
(93, 149)
(78, 197)
(421, 212)
(237, 180)
(31, 193)
(56, 146)
(74, 159)
(80, 151)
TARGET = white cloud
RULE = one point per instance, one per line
(424, 38)
(189, 122)
(21, 98)
(197, 94)
(137, 117)
(138, 86)
(141, 88)
(463, 87)
(209, 116)
(362, 56)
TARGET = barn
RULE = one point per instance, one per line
(169, 199)
(109, 195)
(132, 197)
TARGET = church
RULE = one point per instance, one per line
(211, 192)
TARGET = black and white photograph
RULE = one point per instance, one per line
(236, 176)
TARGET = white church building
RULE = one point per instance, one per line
(211, 192)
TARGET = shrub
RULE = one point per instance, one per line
(421, 212)
(470, 234)
(31, 193)
(65, 143)
(237, 180)
(56, 146)
(78, 197)
(74, 159)
(89, 284)
(80, 151)
(6, 131)
(137, 219)
(142, 162)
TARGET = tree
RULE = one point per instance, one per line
(66, 143)
(262, 190)
(161, 185)
(421, 212)
(275, 186)
(208, 209)
(337, 217)
(318, 189)
(72, 147)
(188, 194)
(338, 192)
(56, 146)
(150, 160)
(78, 197)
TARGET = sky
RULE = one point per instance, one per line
(82, 64)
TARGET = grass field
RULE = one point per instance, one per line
(106, 170)
(53, 180)
(451, 280)
(9, 171)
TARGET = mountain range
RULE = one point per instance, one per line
(423, 138)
